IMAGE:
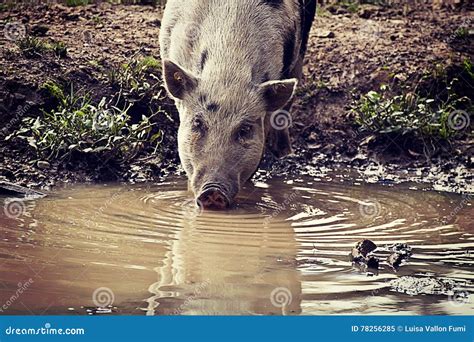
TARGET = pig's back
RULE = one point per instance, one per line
(265, 36)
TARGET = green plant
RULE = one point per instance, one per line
(78, 126)
(467, 66)
(69, 101)
(97, 19)
(322, 12)
(410, 115)
(352, 6)
(377, 2)
(134, 77)
(59, 49)
(461, 32)
(34, 47)
(74, 3)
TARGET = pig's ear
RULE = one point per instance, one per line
(278, 93)
(178, 82)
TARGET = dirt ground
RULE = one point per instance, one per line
(349, 53)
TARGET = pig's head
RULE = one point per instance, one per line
(222, 129)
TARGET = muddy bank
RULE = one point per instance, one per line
(350, 53)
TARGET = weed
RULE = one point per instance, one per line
(97, 19)
(468, 68)
(385, 3)
(135, 77)
(36, 47)
(322, 12)
(461, 33)
(32, 46)
(79, 126)
(59, 49)
(351, 6)
(410, 115)
(74, 3)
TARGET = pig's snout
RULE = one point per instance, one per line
(213, 198)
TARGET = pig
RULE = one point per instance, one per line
(232, 68)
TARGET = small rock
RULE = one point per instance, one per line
(373, 263)
(401, 77)
(11, 189)
(155, 22)
(19, 97)
(313, 137)
(43, 165)
(365, 13)
(341, 10)
(356, 257)
(71, 17)
(328, 149)
(428, 286)
(325, 34)
(359, 254)
(400, 252)
(365, 247)
(401, 248)
(395, 260)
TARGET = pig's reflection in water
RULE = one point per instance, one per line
(226, 263)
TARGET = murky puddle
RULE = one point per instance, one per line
(140, 249)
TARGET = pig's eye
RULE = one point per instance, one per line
(245, 132)
(198, 125)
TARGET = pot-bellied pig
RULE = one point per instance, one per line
(232, 67)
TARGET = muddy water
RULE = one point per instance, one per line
(114, 249)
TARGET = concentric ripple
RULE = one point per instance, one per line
(282, 249)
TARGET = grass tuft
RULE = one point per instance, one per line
(36, 47)
(138, 78)
(75, 3)
(77, 126)
(413, 116)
